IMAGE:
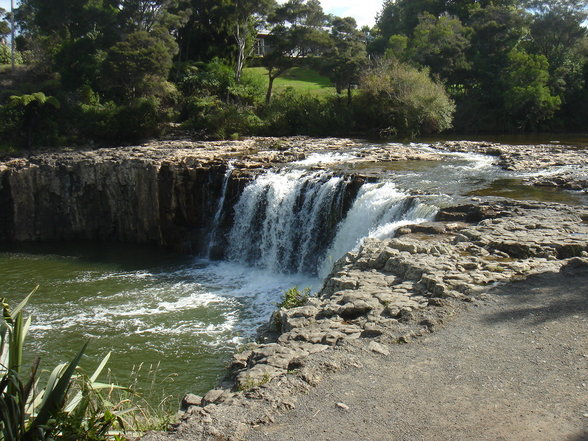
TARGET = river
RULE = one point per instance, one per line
(172, 321)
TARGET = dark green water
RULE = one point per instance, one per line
(515, 189)
(178, 316)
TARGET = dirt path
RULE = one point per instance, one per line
(513, 368)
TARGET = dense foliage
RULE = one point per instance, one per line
(116, 71)
(509, 64)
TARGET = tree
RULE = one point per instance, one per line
(249, 16)
(496, 32)
(401, 17)
(344, 60)
(557, 30)
(33, 121)
(67, 19)
(4, 26)
(67, 36)
(297, 32)
(527, 98)
(441, 43)
(135, 66)
(208, 32)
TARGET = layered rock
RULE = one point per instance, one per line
(164, 193)
(127, 198)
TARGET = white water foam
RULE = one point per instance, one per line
(220, 302)
(379, 210)
(220, 207)
(281, 217)
(325, 158)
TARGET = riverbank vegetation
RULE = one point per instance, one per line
(120, 71)
(66, 403)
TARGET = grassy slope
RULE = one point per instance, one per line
(301, 79)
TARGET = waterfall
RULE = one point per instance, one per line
(285, 220)
(293, 220)
(378, 211)
(212, 238)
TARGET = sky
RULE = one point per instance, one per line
(6, 4)
(364, 11)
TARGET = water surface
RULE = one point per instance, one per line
(145, 305)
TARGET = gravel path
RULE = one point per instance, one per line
(513, 367)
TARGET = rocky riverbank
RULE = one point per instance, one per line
(549, 165)
(387, 293)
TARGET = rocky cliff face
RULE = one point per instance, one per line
(130, 197)
(163, 194)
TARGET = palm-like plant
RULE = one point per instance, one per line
(69, 405)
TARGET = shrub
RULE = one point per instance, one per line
(212, 118)
(72, 406)
(216, 79)
(6, 55)
(30, 120)
(69, 405)
(290, 113)
(293, 298)
(141, 119)
(397, 99)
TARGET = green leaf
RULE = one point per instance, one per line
(22, 304)
(56, 396)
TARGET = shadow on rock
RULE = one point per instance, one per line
(547, 296)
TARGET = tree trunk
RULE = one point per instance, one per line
(349, 94)
(270, 86)
(241, 37)
(12, 35)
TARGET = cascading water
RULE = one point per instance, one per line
(378, 211)
(293, 221)
(213, 236)
(285, 220)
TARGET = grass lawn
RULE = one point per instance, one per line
(302, 79)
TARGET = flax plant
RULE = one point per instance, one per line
(69, 406)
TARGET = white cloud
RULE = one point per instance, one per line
(6, 4)
(364, 11)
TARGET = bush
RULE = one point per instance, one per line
(30, 120)
(290, 113)
(400, 100)
(69, 406)
(216, 79)
(72, 406)
(6, 55)
(141, 119)
(293, 298)
(212, 118)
